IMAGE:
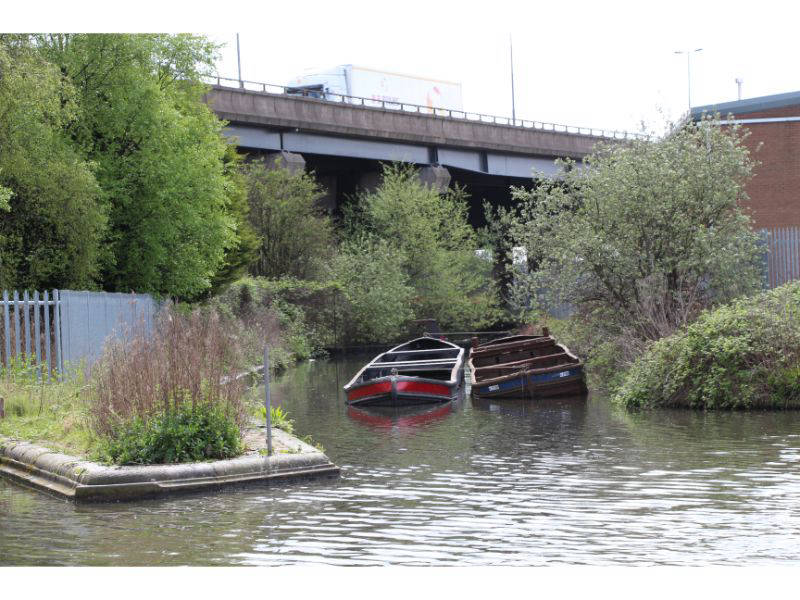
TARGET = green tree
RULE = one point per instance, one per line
(376, 297)
(434, 243)
(646, 234)
(51, 217)
(296, 234)
(159, 156)
(5, 196)
(244, 251)
(498, 238)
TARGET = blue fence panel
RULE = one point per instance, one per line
(92, 318)
(68, 327)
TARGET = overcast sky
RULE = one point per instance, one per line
(596, 64)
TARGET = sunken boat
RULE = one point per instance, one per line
(424, 370)
(525, 366)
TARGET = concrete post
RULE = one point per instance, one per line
(329, 184)
(267, 400)
(286, 160)
(436, 177)
(369, 181)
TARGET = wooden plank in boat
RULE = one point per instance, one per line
(404, 363)
(430, 350)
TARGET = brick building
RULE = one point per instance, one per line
(774, 122)
(774, 190)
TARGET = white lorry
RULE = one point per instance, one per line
(360, 82)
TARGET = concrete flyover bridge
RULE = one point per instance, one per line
(344, 139)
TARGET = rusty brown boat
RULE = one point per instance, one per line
(525, 366)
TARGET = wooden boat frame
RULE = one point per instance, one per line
(542, 373)
(393, 385)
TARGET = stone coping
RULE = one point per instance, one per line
(81, 480)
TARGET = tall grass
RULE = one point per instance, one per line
(188, 359)
(169, 395)
(56, 414)
(25, 389)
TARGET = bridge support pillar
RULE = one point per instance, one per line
(329, 184)
(369, 181)
(436, 177)
(286, 160)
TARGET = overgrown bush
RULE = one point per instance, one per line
(189, 432)
(298, 316)
(644, 237)
(188, 359)
(739, 356)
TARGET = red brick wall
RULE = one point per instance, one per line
(775, 188)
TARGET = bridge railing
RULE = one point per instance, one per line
(270, 88)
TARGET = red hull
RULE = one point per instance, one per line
(422, 371)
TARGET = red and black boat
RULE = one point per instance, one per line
(422, 371)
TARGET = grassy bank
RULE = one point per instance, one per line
(56, 414)
(169, 397)
(743, 355)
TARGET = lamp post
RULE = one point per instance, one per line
(239, 62)
(513, 107)
(688, 54)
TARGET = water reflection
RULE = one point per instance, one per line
(487, 482)
(548, 409)
(400, 417)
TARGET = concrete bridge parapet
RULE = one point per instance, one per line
(296, 113)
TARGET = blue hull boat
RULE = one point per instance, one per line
(525, 366)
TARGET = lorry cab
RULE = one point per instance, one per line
(316, 90)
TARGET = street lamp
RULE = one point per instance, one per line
(688, 54)
(513, 107)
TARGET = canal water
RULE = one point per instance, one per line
(473, 483)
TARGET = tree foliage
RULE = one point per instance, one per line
(159, 155)
(296, 234)
(434, 244)
(498, 238)
(243, 252)
(51, 216)
(376, 298)
(647, 234)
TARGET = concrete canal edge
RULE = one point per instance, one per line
(81, 480)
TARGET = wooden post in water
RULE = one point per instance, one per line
(267, 403)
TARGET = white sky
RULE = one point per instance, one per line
(601, 64)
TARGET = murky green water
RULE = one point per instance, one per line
(494, 483)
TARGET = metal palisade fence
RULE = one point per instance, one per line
(52, 331)
(782, 256)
